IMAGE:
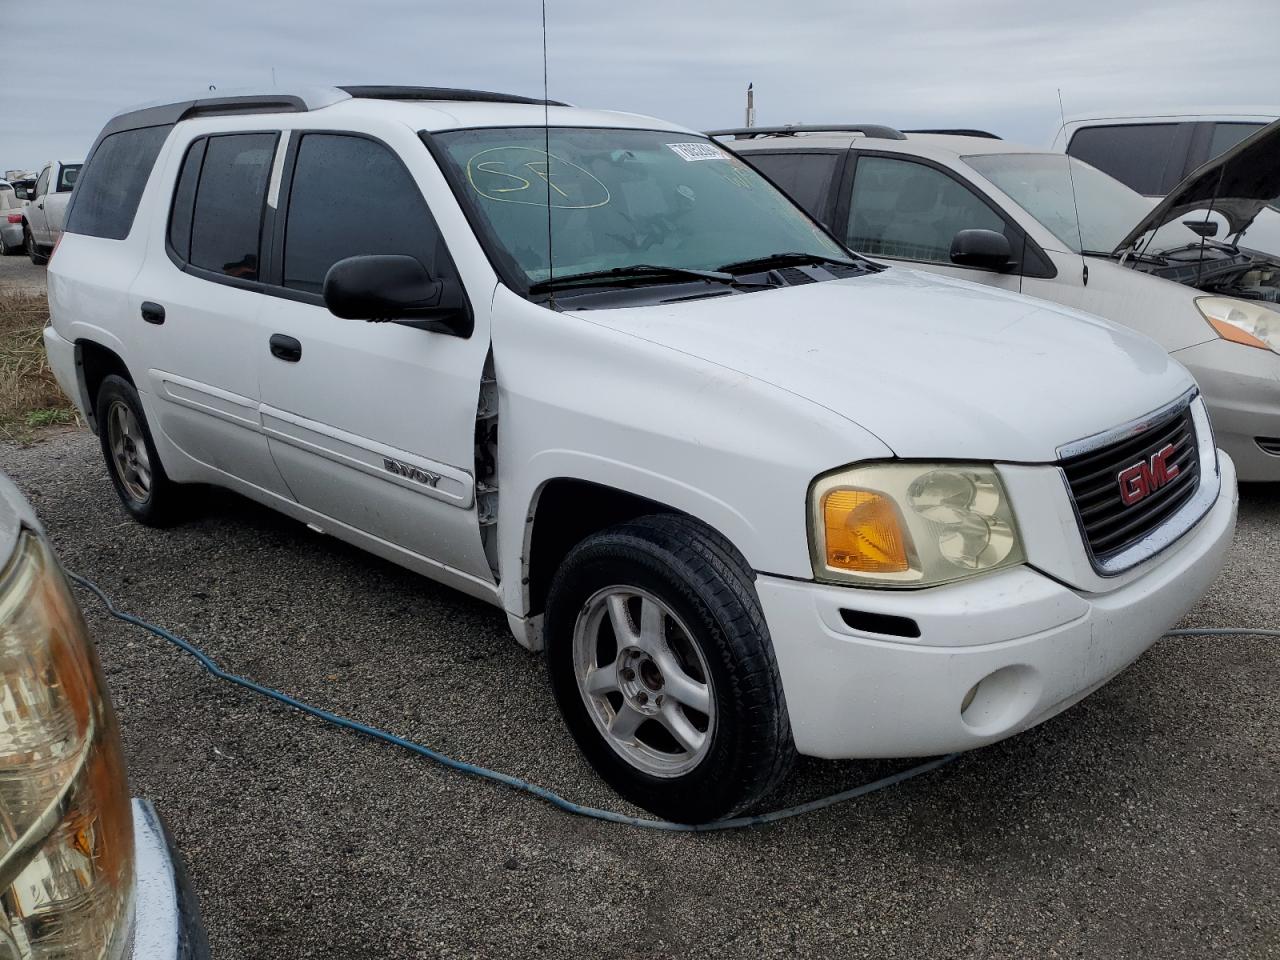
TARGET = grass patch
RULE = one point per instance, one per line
(30, 398)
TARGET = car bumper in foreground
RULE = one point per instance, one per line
(167, 919)
(996, 655)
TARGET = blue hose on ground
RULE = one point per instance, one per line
(542, 793)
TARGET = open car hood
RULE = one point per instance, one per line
(1239, 184)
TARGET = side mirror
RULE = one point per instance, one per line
(983, 249)
(397, 289)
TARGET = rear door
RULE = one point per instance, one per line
(371, 424)
(197, 299)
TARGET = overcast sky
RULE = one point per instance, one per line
(995, 64)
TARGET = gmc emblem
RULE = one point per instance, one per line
(1146, 476)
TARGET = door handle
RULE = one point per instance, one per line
(40, 205)
(286, 348)
(152, 312)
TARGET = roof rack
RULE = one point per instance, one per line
(875, 130)
(378, 92)
(300, 100)
(961, 132)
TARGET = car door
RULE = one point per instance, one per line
(905, 209)
(55, 210)
(37, 222)
(372, 425)
(196, 300)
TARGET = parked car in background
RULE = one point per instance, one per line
(754, 496)
(1153, 153)
(11, 219)
(86, 873)
(995, 213)
(48, 208)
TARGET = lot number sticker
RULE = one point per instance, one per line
(697, 151)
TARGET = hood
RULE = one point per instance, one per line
(1238, 184)
(935, 368)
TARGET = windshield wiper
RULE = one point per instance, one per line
(776, 261)
(644, 272)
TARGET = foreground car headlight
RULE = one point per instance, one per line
(911, 524)
(1242, 321)
(66, 829)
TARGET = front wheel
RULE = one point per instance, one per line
(662, 665)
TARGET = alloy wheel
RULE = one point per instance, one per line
(129, 451)
(644, 680)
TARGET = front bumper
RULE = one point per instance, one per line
(166, 916)
(1019, 646)
(1241, 387)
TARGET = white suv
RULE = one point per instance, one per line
(755, 496)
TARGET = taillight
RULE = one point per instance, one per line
(15, 218)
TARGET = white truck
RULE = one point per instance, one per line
(43, 217)
(753, 495)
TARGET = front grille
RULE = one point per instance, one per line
(1110, 525)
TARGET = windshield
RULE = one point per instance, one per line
(1040, 183)
(622, 198)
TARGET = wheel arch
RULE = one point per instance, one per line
(565, 510)
(94, 363)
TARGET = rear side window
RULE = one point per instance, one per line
(1138, 155)
(805, 177)
(391, 215)
(108, 193)
(184, 198)
(226, 220)
(67, 177)
(1227, 135)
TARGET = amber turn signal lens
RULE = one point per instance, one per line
(1234, 334)
(864, 533)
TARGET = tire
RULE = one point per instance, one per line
(33, 248)
(130, 454)
(681, 574)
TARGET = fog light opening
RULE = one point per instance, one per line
(1001, 700)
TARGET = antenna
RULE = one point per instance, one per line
(1071, 177)
(546, 148)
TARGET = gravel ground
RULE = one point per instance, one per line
(19, 275)
(1143, 822)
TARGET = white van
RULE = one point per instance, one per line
(754, 496)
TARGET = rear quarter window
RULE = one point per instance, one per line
(108, 193)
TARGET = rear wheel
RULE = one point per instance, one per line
(6, 249)
(661, 662)
(33, 248)
(136, 472)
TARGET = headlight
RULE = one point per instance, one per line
(1242, 321)
(66, 829)
(911, 524)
